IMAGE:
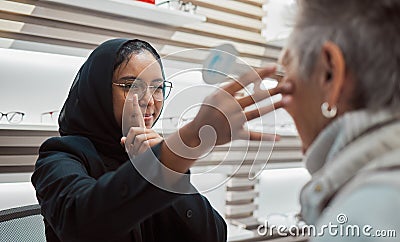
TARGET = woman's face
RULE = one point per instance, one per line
(306, 100)
(141, 66)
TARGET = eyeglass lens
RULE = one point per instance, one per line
(13, 117)
(159, 90)
(181, 5)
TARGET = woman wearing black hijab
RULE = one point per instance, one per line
(87, 189)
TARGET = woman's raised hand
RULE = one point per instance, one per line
(139, 138)
(221, 117)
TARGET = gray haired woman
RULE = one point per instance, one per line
(343, 60)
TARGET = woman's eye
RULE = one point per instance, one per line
(132, 85)
(158, 88)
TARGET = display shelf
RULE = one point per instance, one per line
(19, 145)
(136, 9)
(28, 127)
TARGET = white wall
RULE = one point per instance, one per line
(35, 82)
(278, 20)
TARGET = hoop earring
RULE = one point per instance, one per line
(327, 111)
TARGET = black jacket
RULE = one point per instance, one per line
(86, 197)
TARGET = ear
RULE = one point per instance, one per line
(334, 65)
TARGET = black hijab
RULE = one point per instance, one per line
(88, 110)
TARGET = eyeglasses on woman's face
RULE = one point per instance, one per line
(159, 90)
(13, 117)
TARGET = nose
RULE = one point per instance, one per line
(147, 99)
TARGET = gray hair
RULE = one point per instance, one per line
(368, 33)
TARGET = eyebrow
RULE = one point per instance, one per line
(136, 78)
(124, 78)
(158, 80)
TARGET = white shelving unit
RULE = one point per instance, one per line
(28, 127)
(136, 9)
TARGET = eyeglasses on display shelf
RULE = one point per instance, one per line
(180, 5)
(50, 117)
(13, 117)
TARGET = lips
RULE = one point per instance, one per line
(147, 116)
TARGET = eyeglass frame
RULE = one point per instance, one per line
(9, 119)
(124, 85)
(182, 6)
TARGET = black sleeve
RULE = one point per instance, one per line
(203, 223)
(79, 207)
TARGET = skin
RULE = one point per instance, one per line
(145, 67)
(142, 112)
(330, 82)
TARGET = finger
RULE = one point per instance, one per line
(143, 147)
(263, 94)
(149, 143)
(282, 88)
(248, 78)
(250, 115)
(279, 73)
(143, 137)
(133, 133)
(285, 101)
(258, 136)
(253, 135)
(153, 142)
(138, 112)
(135, 146)
(278, 77)
(133, 112)
(141, 130)
(123, 139)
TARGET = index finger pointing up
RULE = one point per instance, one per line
(133, 116)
